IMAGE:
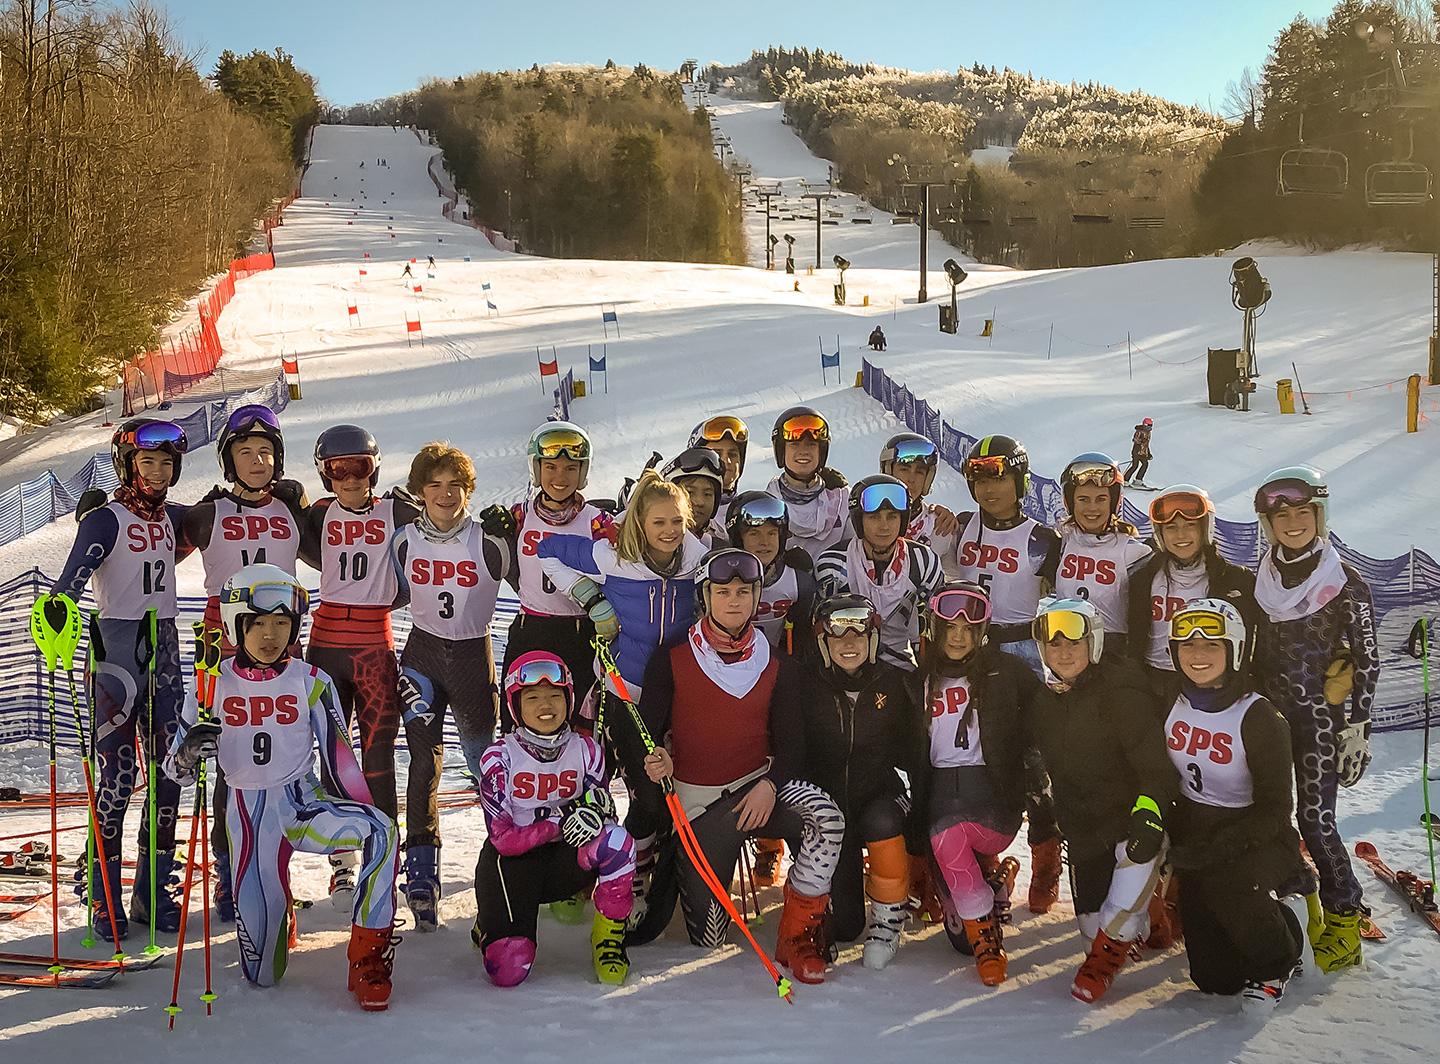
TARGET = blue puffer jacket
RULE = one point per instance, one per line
(653, 611)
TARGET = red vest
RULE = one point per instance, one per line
(715, 737)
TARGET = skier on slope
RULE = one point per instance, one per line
(814, 494)
(1231, 833)
(406, 272)
(1317, 654)
(729, 437)
(276, 804)
(1098, 548)
(129, 548)
(450, 573)
(732, 712)
(256, 519)
(550, 830)
(347, 536)
(968, 784)
(879, 564)
(1098, 728)
(1140, 456)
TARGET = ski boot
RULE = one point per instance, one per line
(607, 950)
(1107, 957)
(101, 905)
(372, 960)
(570, 911)
(342, 880)
(1044, 875)
(766, 870)
(1260, 996)
(1338, 945)
(987, 944)
(224, 890)
(167, 884)
(803, 944)
(882, 934)
(1002, 882)
(1164, 913)
(422, 885)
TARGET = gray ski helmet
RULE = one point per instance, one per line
(911, 447)
(345, 441)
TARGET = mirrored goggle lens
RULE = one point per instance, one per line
(811, 425)
(349, 466)
(533, 672)
(1067, 623)
(247, 417)
(759, 511)
(993, 466)
(156, 435)
(957, 605)
(1102, 475)
(272, 597)
(1204, 623)
(916, 451)
(849, 619)
(562, 443)
(719, 428)
(1184, 504)
(1284, 493)
(733, 565)
(877, 496)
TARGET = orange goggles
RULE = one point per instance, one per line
(1186, 504)
(801, 425)
(996, 465)
(725, 427)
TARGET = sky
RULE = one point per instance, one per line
(361, 50)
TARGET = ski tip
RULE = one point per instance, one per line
(1366, 849)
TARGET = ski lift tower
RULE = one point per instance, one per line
(820, 194)
(921, 214)
(767, 192)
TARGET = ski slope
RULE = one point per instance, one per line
(698, 339)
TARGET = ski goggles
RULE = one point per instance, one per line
(732, 563)
(1287, 492)
(725, 427)
(562, 443)
(918, 451)
(1207, 624)
(246, 418)
(530, 673)
(991, 467)
(762, 511)
(156, 436)
(801, 425)
(698, 461)
(848, 619)
(1102, 475)
(271, 596)
(349, 467)
(1187, 504)
(1071, 624)
(958, 604)
(875, 497)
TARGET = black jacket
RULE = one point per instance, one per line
(1104, 744)
(1001, 689)
(1233, 583)
(853, 750)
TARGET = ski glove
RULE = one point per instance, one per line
(833, 478)
(201, 741)
(799, 559)
(592, 600)
(498, 521)
(90, 499)
(1352, 753)
(599, 799)
(1339, 679)
(290, 492)
(582, 825)
(1147, 831)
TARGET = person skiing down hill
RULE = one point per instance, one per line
(913, 460)
(550, 829)
(1317, 654)
(1098, 549)
(760, 523)
(815, 495)
(128, 548)
(276, 805)
(256, 520)
(729, 437)
(1231, 833)
(1140, 456)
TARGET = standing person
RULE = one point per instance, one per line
(857, 730)
(1186, 565)
(913, 460)
(1140, 456)
(550, 830)
(733, 712)
(968, 785)
(896, 575)
(1317, 654)
(1098, 548)
(407, 272)
(760, 523)
(256, 520)
(729, 437)
(1231, 832)
(1014, 558)
(558, 455)
(128, 548)
(274, 709)
(450, 571)
(1099, 730)
(701, 472)
(814, 494)
(347, 537)
(640, 594)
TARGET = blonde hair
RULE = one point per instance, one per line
(436, 456)
(653, 488)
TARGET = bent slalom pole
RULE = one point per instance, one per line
(684, 829)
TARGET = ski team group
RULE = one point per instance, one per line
(850, 676)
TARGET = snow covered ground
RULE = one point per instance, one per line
(699, 339)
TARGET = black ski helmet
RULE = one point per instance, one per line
(146, 434)
(742, 513)
(1017, 460)
(250, 420)
(341, 441)
(855, 605)
(857, 491)
(889, 456)
(777, 440)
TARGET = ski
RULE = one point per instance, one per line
(67, 980)
(84, 964)
(1419, 894)
(15, 914)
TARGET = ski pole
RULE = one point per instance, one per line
(148, 645)
(212, 670)
(683, 827)
(95, 848)
(1425, 755)
(174, 1007)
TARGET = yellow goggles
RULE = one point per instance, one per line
(1067, 623)
(1187, 624)
(723, 427)
(562, 443)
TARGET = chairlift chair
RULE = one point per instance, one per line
(1397, 184)
(1308, 171)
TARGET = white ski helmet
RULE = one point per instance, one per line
(261, 589)
(559, 439)
(1210, 618)
(1293, 486)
